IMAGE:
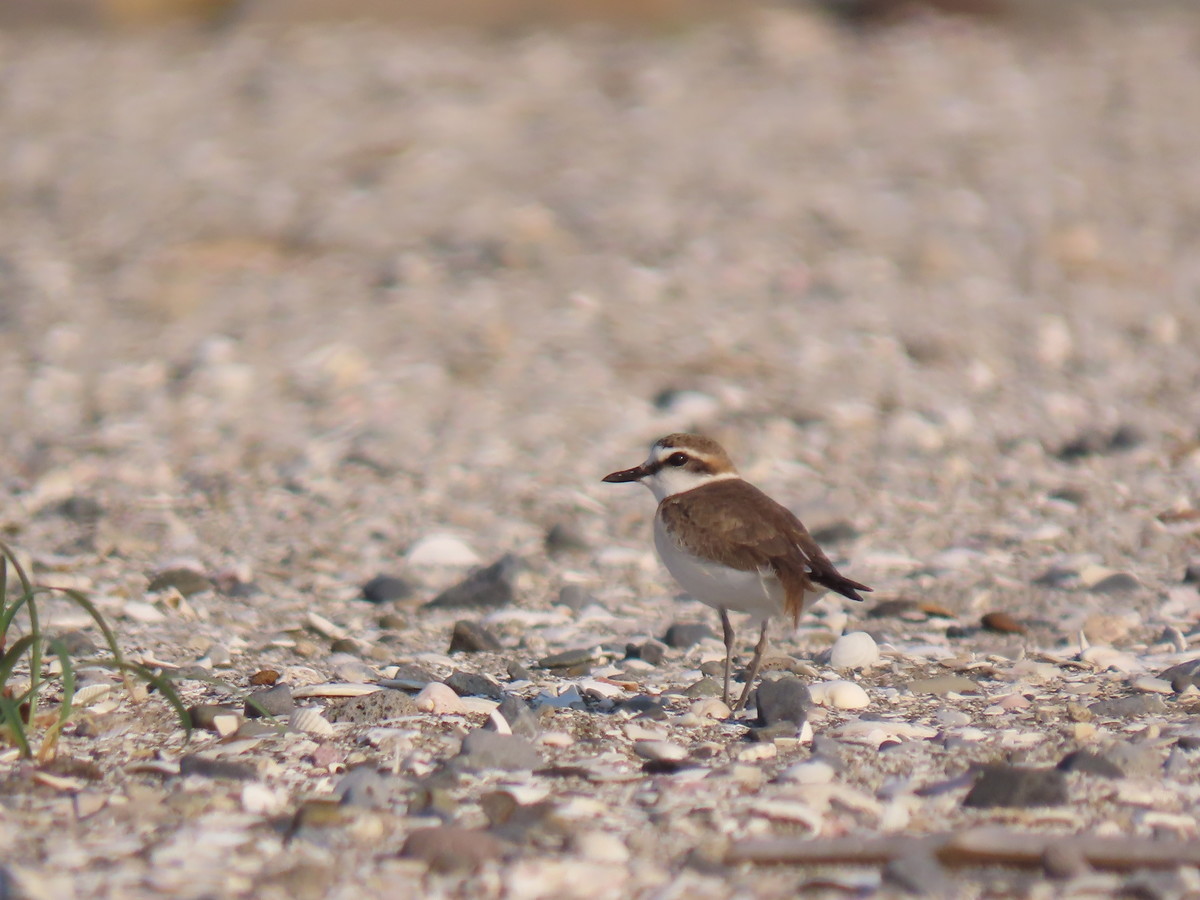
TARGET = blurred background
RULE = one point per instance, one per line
(311, 274)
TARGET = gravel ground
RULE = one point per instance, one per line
(294, 307)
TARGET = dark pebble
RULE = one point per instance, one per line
(521, 719)
(682, 635)
(1183, 675)
(714, 668)
(202, 715)
(1002, 623)
(1056, 576)
(80, 509)
(386, 588)
(446, 848)
(470, 684)
(1094, 442)
(253, 728)
(471, 637)
(565, 538)
(490, 750)
(705, 687)
(274, 701)
(1017, 786)
(216, 768)
(79, 643)
(655, 712)
(517, 672)
(835, 533)
(784, 700)
(345, 645)
(416, 675)
(651, 651)
(1128, 707)
(899, 608)
(484, 588)
(1116, 583)
(638, 703)
(371, 709)
(393, 621)
(1188, 742)
(574, 598)
(568, 659)
(1191, 574)
(264, 678)
(1090, 763)
(186, 581)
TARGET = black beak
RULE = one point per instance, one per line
(637, 473)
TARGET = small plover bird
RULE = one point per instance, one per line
(728, 544)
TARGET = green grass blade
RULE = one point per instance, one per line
(15, 725)
(50, 741)
(12, 656)
(7, 552)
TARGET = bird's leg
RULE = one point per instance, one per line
(760, 650)
(727, 630)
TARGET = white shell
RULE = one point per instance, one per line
(440, 699)
(840, 695)
(310, 721)
(856, 650)
(334, 690)
(441, 550)
(90, 693)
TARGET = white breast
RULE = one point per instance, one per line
(757, 593)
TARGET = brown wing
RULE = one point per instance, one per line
(739, 526)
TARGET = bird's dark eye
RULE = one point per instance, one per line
(677, 459)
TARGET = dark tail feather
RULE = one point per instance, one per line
(840, 584)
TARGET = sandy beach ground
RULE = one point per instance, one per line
(291, 304)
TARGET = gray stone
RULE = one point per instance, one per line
(371, 709)
(385, 589)
(568, 659)
(521, 719)
(471, 637)
(705, 687)
(783, 700)
(274, 701)
(651, 651)
(574, 597)
(517, 672)
(203, 715)
(413, 676)
(1017, 786)
(683, 635)
(183, 579)
(223, 769)
(1129, 707)
(1090, 763)
(484, 588)
(564, 537)
(1183, 675)
(489, 750)
(470, 684)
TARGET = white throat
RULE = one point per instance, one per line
(670, 480)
